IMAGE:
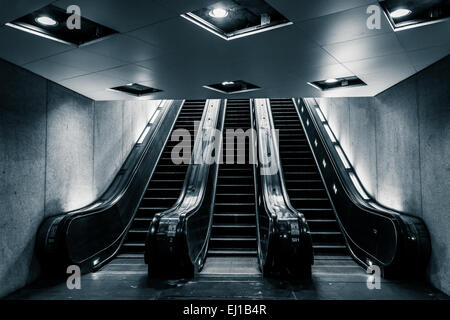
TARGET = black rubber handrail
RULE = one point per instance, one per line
(398, 243)
(91, 236)
(284, 240)
(177, 239)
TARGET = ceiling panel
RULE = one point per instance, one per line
(437, 34)
(53, 71)
(425, 57)
(91, 83)
(397, 63)
(311, 74)
(299, 10)
(20, 47)
(129, 73)
(84, 60)
(120, 15)
(343, 26)
(365, 48)
(177, 34)
(124, 48)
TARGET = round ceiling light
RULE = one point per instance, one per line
(333, 80)
(399, 13)
(218, 13)
(227, 83)
(46, 21)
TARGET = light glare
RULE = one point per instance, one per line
(218, 13)
(46, 21)
(399, 13)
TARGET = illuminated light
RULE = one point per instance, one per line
(46, 21)
(343, 157)
(144, 135)
(218, 13)
(324, 163)
(155, 116)
(36, 33)
(93, 206)
(96, 261)
(330, 133)
(321, 116)
(333, 80)
(399, 13)
(227, 83)
(335, 189)
(377, 206)
(358, 186)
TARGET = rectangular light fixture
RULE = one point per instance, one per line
(51, 22)
(143, 135)
(233, 19)
(343, 157)
(135, 89)
(321, 116)
(330, 133)
(155, 116)
(336, 83)
(358, 186)
(403, 14)
(231, 87)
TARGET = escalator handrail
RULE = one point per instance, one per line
(286, 222)
(411, 246)
(172, 222)
(54, 233)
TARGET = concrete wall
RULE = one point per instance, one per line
(399, 144)
(58, 152)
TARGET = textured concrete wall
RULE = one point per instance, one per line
(22, 172)
(70, 131)
(399, 145)
(59, 151)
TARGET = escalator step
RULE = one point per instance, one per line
(165, 186)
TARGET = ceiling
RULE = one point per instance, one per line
(158, 48)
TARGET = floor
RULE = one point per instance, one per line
(332, 279)
(226, 267)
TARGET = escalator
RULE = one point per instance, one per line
(165, 186)
(234, 221)
(304, 184)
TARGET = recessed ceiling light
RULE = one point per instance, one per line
(243, 18)
(337, 83)
(46, 21)
(414, 14)
(230, 87)
(218, 13)
(135, 89)
(227, 83)
(399, 13)
(49, 22)
(333, 80)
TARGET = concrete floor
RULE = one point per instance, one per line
(127, 279)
